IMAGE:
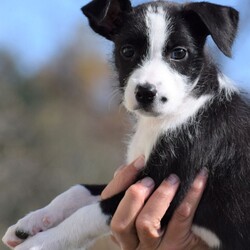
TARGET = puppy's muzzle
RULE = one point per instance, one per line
(145, 94)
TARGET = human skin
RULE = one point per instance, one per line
(136, 222)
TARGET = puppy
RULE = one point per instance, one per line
(188, 115)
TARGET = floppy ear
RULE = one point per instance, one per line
(221, 22)
(105, 16)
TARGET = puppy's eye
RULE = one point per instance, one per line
(127, 51)
(178, 53)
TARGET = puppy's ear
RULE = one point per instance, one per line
(221, 22)
(106, 16)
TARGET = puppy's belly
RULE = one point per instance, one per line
(207, 236)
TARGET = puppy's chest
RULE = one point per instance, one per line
(144, 139)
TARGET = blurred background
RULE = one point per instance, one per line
(60, 121)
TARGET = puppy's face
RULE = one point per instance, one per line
(159, 49)
(158, 60)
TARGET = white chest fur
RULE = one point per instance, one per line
(148, 129)
(145, 137)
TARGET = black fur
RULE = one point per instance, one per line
(106, 16)
(217, 138)
(223, 30)
(95, 189)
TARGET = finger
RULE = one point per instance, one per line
(180, 225)
(114, 240)
(119, 169)
(123, 222)
(123, 178)
(148, 223)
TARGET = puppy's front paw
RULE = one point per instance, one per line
(30, 225)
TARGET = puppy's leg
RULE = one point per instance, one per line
(50, 216)
(77, 231)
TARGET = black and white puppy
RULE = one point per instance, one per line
(188, 114)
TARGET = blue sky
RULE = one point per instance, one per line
(34, 31)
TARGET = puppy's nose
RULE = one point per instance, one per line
(145, 93)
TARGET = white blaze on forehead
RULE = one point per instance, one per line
(158, 31)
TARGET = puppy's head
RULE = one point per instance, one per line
(159, 48)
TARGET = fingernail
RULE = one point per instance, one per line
(147, 182)
(204, 172)
(173, 179)
(139, 163)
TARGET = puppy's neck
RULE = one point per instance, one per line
(149, 129)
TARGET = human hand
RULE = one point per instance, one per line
(136, 223)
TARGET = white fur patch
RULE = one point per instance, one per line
(148, 129)
(86, 225)
(68, 202)
(77, 231)
(158, 31)
(60, 208)
(207, 236)
(227, 85)
(153, 69)
(169, 84)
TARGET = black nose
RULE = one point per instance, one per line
(145, 93)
